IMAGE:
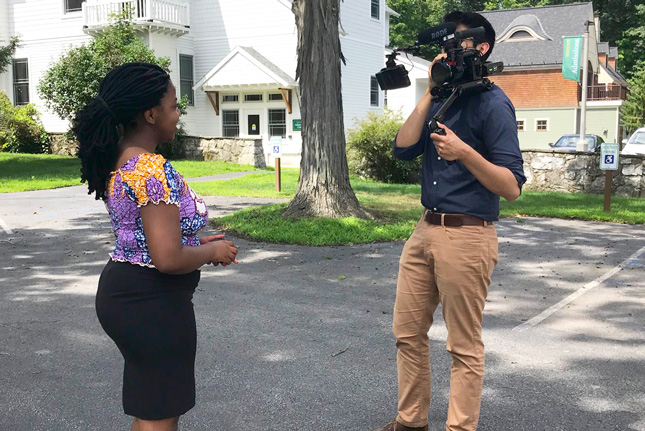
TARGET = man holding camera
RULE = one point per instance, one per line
(450, 257)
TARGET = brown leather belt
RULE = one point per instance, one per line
(454, 220)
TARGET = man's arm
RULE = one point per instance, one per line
(497, 179)
(411, 131)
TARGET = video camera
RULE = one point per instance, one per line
(459, 68)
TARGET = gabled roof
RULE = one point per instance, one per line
(244, 67)
(553, 21)
(615, 75)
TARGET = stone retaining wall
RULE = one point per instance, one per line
(243, 151)
(560, 171)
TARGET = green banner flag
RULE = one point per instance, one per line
(571, 54)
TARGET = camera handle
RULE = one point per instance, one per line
(483, 83)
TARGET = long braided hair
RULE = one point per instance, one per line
(124, 93)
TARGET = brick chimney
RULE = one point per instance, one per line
(602, 58)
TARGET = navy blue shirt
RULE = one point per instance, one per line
(486, 122)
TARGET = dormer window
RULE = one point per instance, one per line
(524, 28)
(521, 34)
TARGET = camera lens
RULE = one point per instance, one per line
(441, 73)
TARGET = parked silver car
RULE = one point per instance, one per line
(636, 143)
(569, 142)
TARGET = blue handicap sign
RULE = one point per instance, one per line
(609, 159)
(276, 149)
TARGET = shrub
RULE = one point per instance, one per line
(20, 128)
(369, 150)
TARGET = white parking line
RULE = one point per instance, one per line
(5, 227)
(575, 295)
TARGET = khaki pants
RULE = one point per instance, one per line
(450, 266)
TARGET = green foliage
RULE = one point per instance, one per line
(513, 4)
(6, 54)
(369, 150)
(633, 109)
(631, 48)
(20, 128)
(74, 79)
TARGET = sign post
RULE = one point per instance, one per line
(276, 150)
(608, 163)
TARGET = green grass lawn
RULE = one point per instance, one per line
(396, 208)
(21, 172)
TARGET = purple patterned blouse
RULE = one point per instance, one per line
(142, 179)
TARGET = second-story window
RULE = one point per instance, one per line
(376, 9)
(73, 5)
(186, 78)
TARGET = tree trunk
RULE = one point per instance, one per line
(323, 188)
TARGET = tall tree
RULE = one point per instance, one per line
(633, 109)
(631, 47)
(6, 54)
(323, 187)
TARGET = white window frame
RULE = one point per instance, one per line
(285, 121)
(192, 78)
(14, 83)
(254, 101)
(230, 101)
(378, 17)
(238, 122)
(536, 125)
(72, 13)
(378, 95)
(274, 94)
(523, 120)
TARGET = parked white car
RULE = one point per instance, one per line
(636, 144)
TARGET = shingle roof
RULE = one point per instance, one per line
(555, 21)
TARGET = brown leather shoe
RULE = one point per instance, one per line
(395, 426)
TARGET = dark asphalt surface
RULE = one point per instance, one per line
(283, 344)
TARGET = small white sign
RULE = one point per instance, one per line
(276, 146)
(609, 156)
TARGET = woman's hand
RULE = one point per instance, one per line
(224, 252)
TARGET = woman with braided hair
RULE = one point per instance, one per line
(144, 298)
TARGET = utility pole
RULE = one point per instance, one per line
(582, 143)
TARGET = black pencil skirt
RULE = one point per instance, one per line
(150, 317)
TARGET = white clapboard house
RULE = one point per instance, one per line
(235, 59)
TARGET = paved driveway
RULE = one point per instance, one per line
(284, 344)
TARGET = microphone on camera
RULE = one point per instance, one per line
(476, 32)
(436, 34)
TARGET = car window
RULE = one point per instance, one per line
(566, 141)
(572, 141)
(637, 138)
